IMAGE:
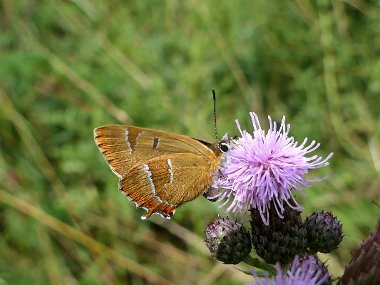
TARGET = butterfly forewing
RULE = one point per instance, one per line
(123, 146)
(159, 171)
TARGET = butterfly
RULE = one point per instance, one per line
(158, 170)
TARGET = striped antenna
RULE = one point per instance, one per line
(214, 99)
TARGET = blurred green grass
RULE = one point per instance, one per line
(69, 66)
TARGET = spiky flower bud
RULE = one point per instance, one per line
(364, 267)
(324, 232)
(228, 241)
(282, 239)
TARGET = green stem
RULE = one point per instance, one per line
(256, 263)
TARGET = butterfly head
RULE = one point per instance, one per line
(225, 144)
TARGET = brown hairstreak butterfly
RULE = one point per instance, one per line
(158, 170)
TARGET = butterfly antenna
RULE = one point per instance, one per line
(214, 99)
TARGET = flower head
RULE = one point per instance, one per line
(305, 270)
(265, 166)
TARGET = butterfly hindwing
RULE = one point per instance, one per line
(163, 183)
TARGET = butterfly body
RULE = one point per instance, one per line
(158, 170)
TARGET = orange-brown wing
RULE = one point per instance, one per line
(163, 183)
(124, 146)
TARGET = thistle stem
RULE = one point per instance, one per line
(256, 263)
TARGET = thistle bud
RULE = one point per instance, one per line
(227, 240)
(364, 267)
(324, 232)
(282, 239)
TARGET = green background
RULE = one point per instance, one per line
(67, 67)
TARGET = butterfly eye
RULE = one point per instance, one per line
(223, 147)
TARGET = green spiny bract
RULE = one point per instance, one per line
(282, 239)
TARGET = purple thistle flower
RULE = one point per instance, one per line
(265, 166)
(306, 270)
